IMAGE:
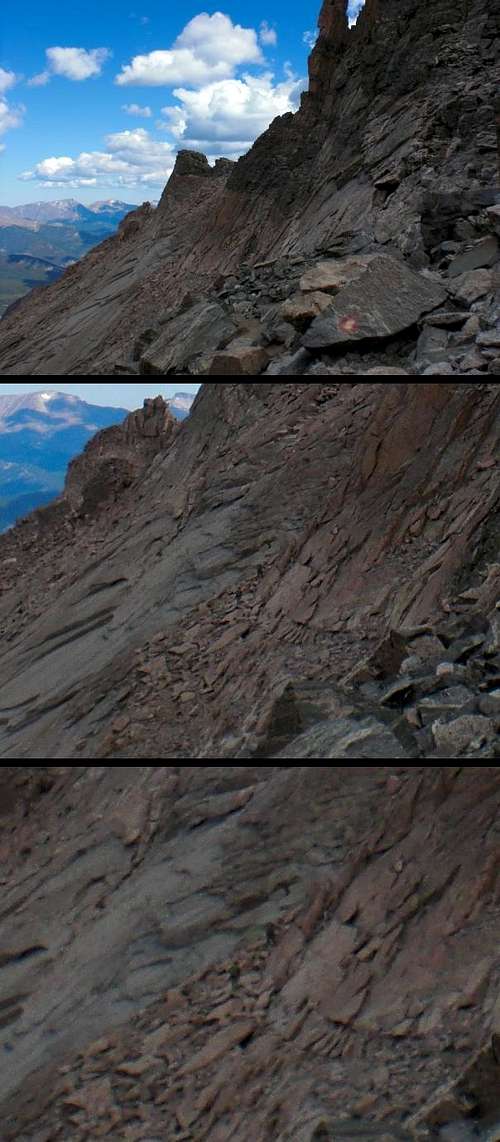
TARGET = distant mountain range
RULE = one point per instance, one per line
(39, 240)
(181, 404)
(39, 434)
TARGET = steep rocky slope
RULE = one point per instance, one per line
(393, 154)
(195, 572)
(230, 953)
(280, 953)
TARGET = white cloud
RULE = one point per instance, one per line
(7, 79)
(353, 10)
(76, 64)
(268, 36)
(226, 117)
(131, 159)
(10, 117)
(40, 80)
(135, 109)
(208, 49)
(310, 39)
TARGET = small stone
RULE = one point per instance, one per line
(302, 308)
(384, 372)
(137, 1067)
(469, 287)
(443, 369)
(481, 255)
(471, 731)
(239, 360)
(451, 670)
(399, 693)
(447, 702)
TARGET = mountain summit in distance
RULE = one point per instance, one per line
(66, 210)
(40, 433)
(38, 241)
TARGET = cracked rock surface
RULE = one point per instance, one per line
(274, 952)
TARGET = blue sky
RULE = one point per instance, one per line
(123, 395)
(96, 98)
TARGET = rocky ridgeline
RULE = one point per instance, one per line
(392, 160)
(112, 463)
(351, 315)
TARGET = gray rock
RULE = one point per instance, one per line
(480, 256)
(470, 731)
(492, 645)
(432, 346)
(457, 699)
(292, 365)
(490, 705)
(387, 299)
(346, 738)
(451, 670)
(462, 648)
(199, 330)
(442, 369)
(399, 693)
(469, 287)
(384, 372)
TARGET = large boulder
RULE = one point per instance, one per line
(385, 300)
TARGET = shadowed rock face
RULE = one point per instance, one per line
(189, 932)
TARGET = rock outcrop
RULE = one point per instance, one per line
(393, 152)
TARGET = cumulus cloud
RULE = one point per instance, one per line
(131, 158)
(209, 48)
(40, 80)
(7, 80)
(10, 117)
(354, 9)
(268, 35)
(135, 109)
(226, 117)
(76, 64)
(309, 39)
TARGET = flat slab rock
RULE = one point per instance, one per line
(346, 738)
(205, 326)
(387, 299)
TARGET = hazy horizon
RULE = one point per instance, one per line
(125, 395)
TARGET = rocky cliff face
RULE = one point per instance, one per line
(277, 536)
(298, 572)
(394, 151)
